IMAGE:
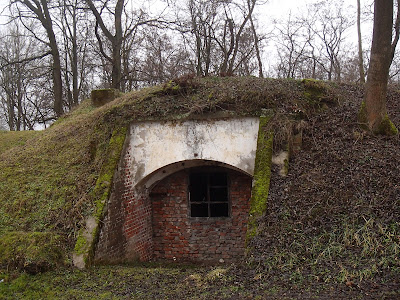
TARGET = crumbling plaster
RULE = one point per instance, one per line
(161, 148)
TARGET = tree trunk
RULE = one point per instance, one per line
(116, 40)
(253, 29)
(360, 51)
(57, 82)
(41, 12)
(375, 114)
(116, 74)
(74, 66)
(11, 113)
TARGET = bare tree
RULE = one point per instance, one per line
(115, 39)
(163, 59)
(330, 28)
(75, 46)
(39, 9)
(292, 41)
(116, 35)
(360, 50)
(217, 32)
(311, 45)
(20, 101)
(256, 39)
(203, 23)
(233, 34)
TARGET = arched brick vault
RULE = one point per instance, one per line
(155, 145)
(148, 182)
(157, 157)
(178, 235)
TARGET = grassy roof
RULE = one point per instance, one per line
(47, 177)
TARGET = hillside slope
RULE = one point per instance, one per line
(48, 181)
(334, 217)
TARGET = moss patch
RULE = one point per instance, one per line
(386, 127)
(314, 89)
(319, 94)
(104, 182)
(262, 175)
(85, 244)
(32, 252)
(362, 116)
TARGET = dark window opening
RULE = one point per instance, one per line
(208, 194)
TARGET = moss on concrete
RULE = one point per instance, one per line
(102, 189)
(81, 243)
(103, 96)
(262, 175)
(88, 236)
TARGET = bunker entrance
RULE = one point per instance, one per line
(200, 214)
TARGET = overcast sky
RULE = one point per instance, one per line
(267, 13)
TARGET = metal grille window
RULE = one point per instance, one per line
(208, 194)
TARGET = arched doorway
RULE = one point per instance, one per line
(155, 168)
(200, 214)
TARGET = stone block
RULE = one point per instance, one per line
(103, 96)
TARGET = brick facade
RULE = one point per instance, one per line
(126, 233)
(179, 237)
(159, 227)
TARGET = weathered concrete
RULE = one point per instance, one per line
(160, 148)
(148, 213)
(101, 97)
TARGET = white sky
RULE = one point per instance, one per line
(272, 9)
(266, 13)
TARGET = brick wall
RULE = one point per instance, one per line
(179, 237)
(159, 226)
(126, 232)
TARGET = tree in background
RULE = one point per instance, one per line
(222, 36)
(373, 110)
(360, 50)
(115, 39)
(116, 34)
(313, 44)
(23, 101)
(39, 10)
(74, 46)
(100, 43)
(293, 42)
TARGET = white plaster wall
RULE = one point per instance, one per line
(154, 145)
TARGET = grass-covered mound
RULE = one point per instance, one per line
(333, 220)
(49, 180)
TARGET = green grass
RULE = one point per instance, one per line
(47, 178)
(11, 139)
(33, 252)
(125, 282)
(169, 281)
